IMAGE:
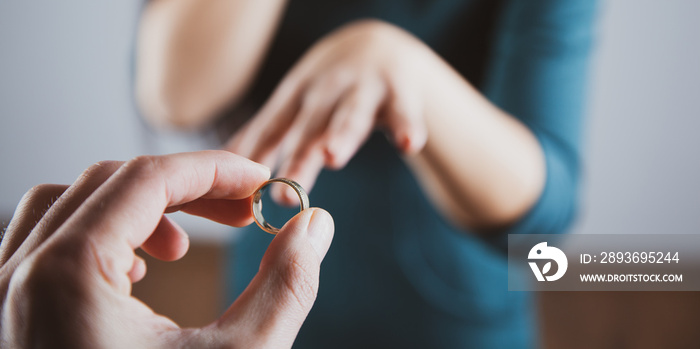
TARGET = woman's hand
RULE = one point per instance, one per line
(67, 260)
(481, 167)
(363, 76)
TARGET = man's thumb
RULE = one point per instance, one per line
(276, 302)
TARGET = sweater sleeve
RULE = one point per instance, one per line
(538, 71)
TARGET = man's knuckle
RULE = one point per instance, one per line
(38, 192)
(99, 169)
(144, 161)
(41, 197)
(143, 165)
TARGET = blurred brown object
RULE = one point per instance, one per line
(190, 291)
(619, 320)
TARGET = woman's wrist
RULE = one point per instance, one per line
(480, 166)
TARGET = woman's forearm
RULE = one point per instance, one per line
(196, 57)
(481, 167)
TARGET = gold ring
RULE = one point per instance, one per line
(257, 202)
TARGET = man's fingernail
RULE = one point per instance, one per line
(320, 231)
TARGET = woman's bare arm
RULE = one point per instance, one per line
(481, 167)
(196, 57)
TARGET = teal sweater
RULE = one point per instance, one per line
(398, 275)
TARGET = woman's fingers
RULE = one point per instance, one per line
(303, 148)
(273, 307)
(124, 212)
(28, 213)
(404, 115)
(352, 122)
(304, 167)
(260, 138)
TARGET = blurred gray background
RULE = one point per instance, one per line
(65, 103)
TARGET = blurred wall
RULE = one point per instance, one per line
(65, 98)
(642, 170)
(65, 103)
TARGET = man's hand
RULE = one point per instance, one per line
(67, 260)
